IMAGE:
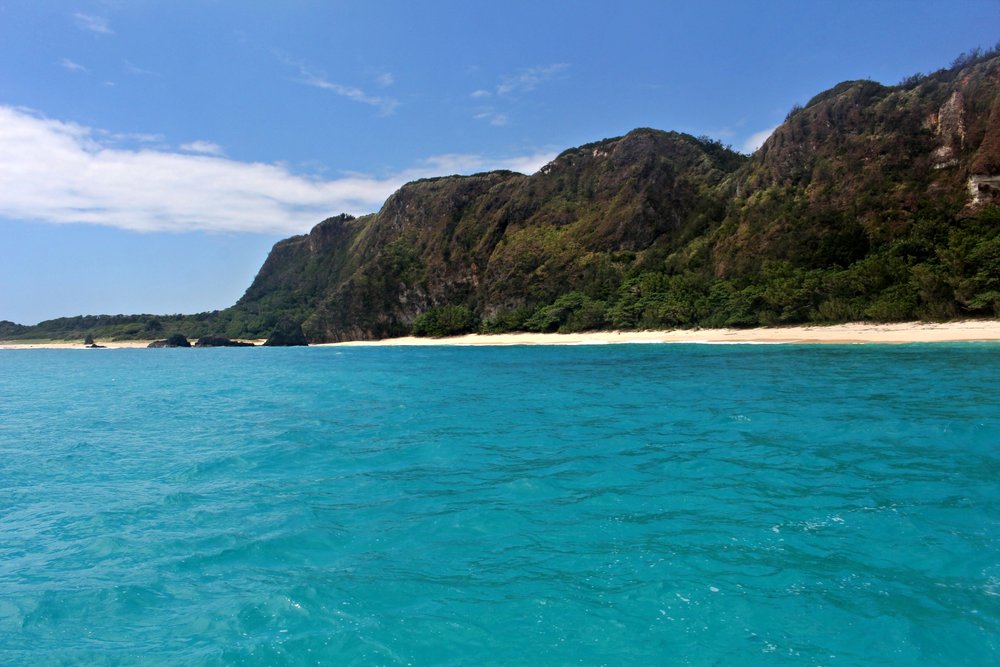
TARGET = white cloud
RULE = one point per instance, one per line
(468, 163)
(72, 66)
(757, 139)
(529, 79)
(132, 68)
(61, 172)
(386, 105)
(510, 87)
(527, 164)
(385, 79)
(93, 24)
(495, 119)
(125, 138)
(203, 147)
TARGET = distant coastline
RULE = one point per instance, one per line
(76, 345)
(857, 332)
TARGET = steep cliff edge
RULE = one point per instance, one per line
(868, 158)
(895, 185)
(497, 242)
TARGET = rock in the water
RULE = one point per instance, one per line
(220, 341)
(177, 340)
(89, 342)
(287, 333)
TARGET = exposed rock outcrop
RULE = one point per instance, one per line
(286, 333)
(88, 341)
(176, 340)
(220, 341)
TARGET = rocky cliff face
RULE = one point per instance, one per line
(497, 241)
(868, 158)
(859, 170)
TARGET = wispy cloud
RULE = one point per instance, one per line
(528, 79)
(468, 163)
(72, 66)
(60, 172)
(757, 139)
(93, 23)
(121, 139)
(510, 88)
(308, 77)
(385, 79)
(494, 118)
(132, 68)
(386, 105)
(203, 148)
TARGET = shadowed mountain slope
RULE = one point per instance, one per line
(499, 243)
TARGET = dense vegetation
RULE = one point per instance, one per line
(934, 272)
(870, 202)
(116, 327)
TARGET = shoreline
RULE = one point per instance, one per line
(69, 345)
(853, 333)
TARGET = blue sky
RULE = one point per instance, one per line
(152, 152)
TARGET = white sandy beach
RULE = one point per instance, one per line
(859, 332)
(63, 345)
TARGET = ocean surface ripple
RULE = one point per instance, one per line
(634, 504)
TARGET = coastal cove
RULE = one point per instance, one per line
(461, 334)
(750, 504)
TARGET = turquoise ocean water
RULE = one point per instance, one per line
(635, 504)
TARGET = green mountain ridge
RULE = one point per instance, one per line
(871, 202)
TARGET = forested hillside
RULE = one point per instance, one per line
(870, 202)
